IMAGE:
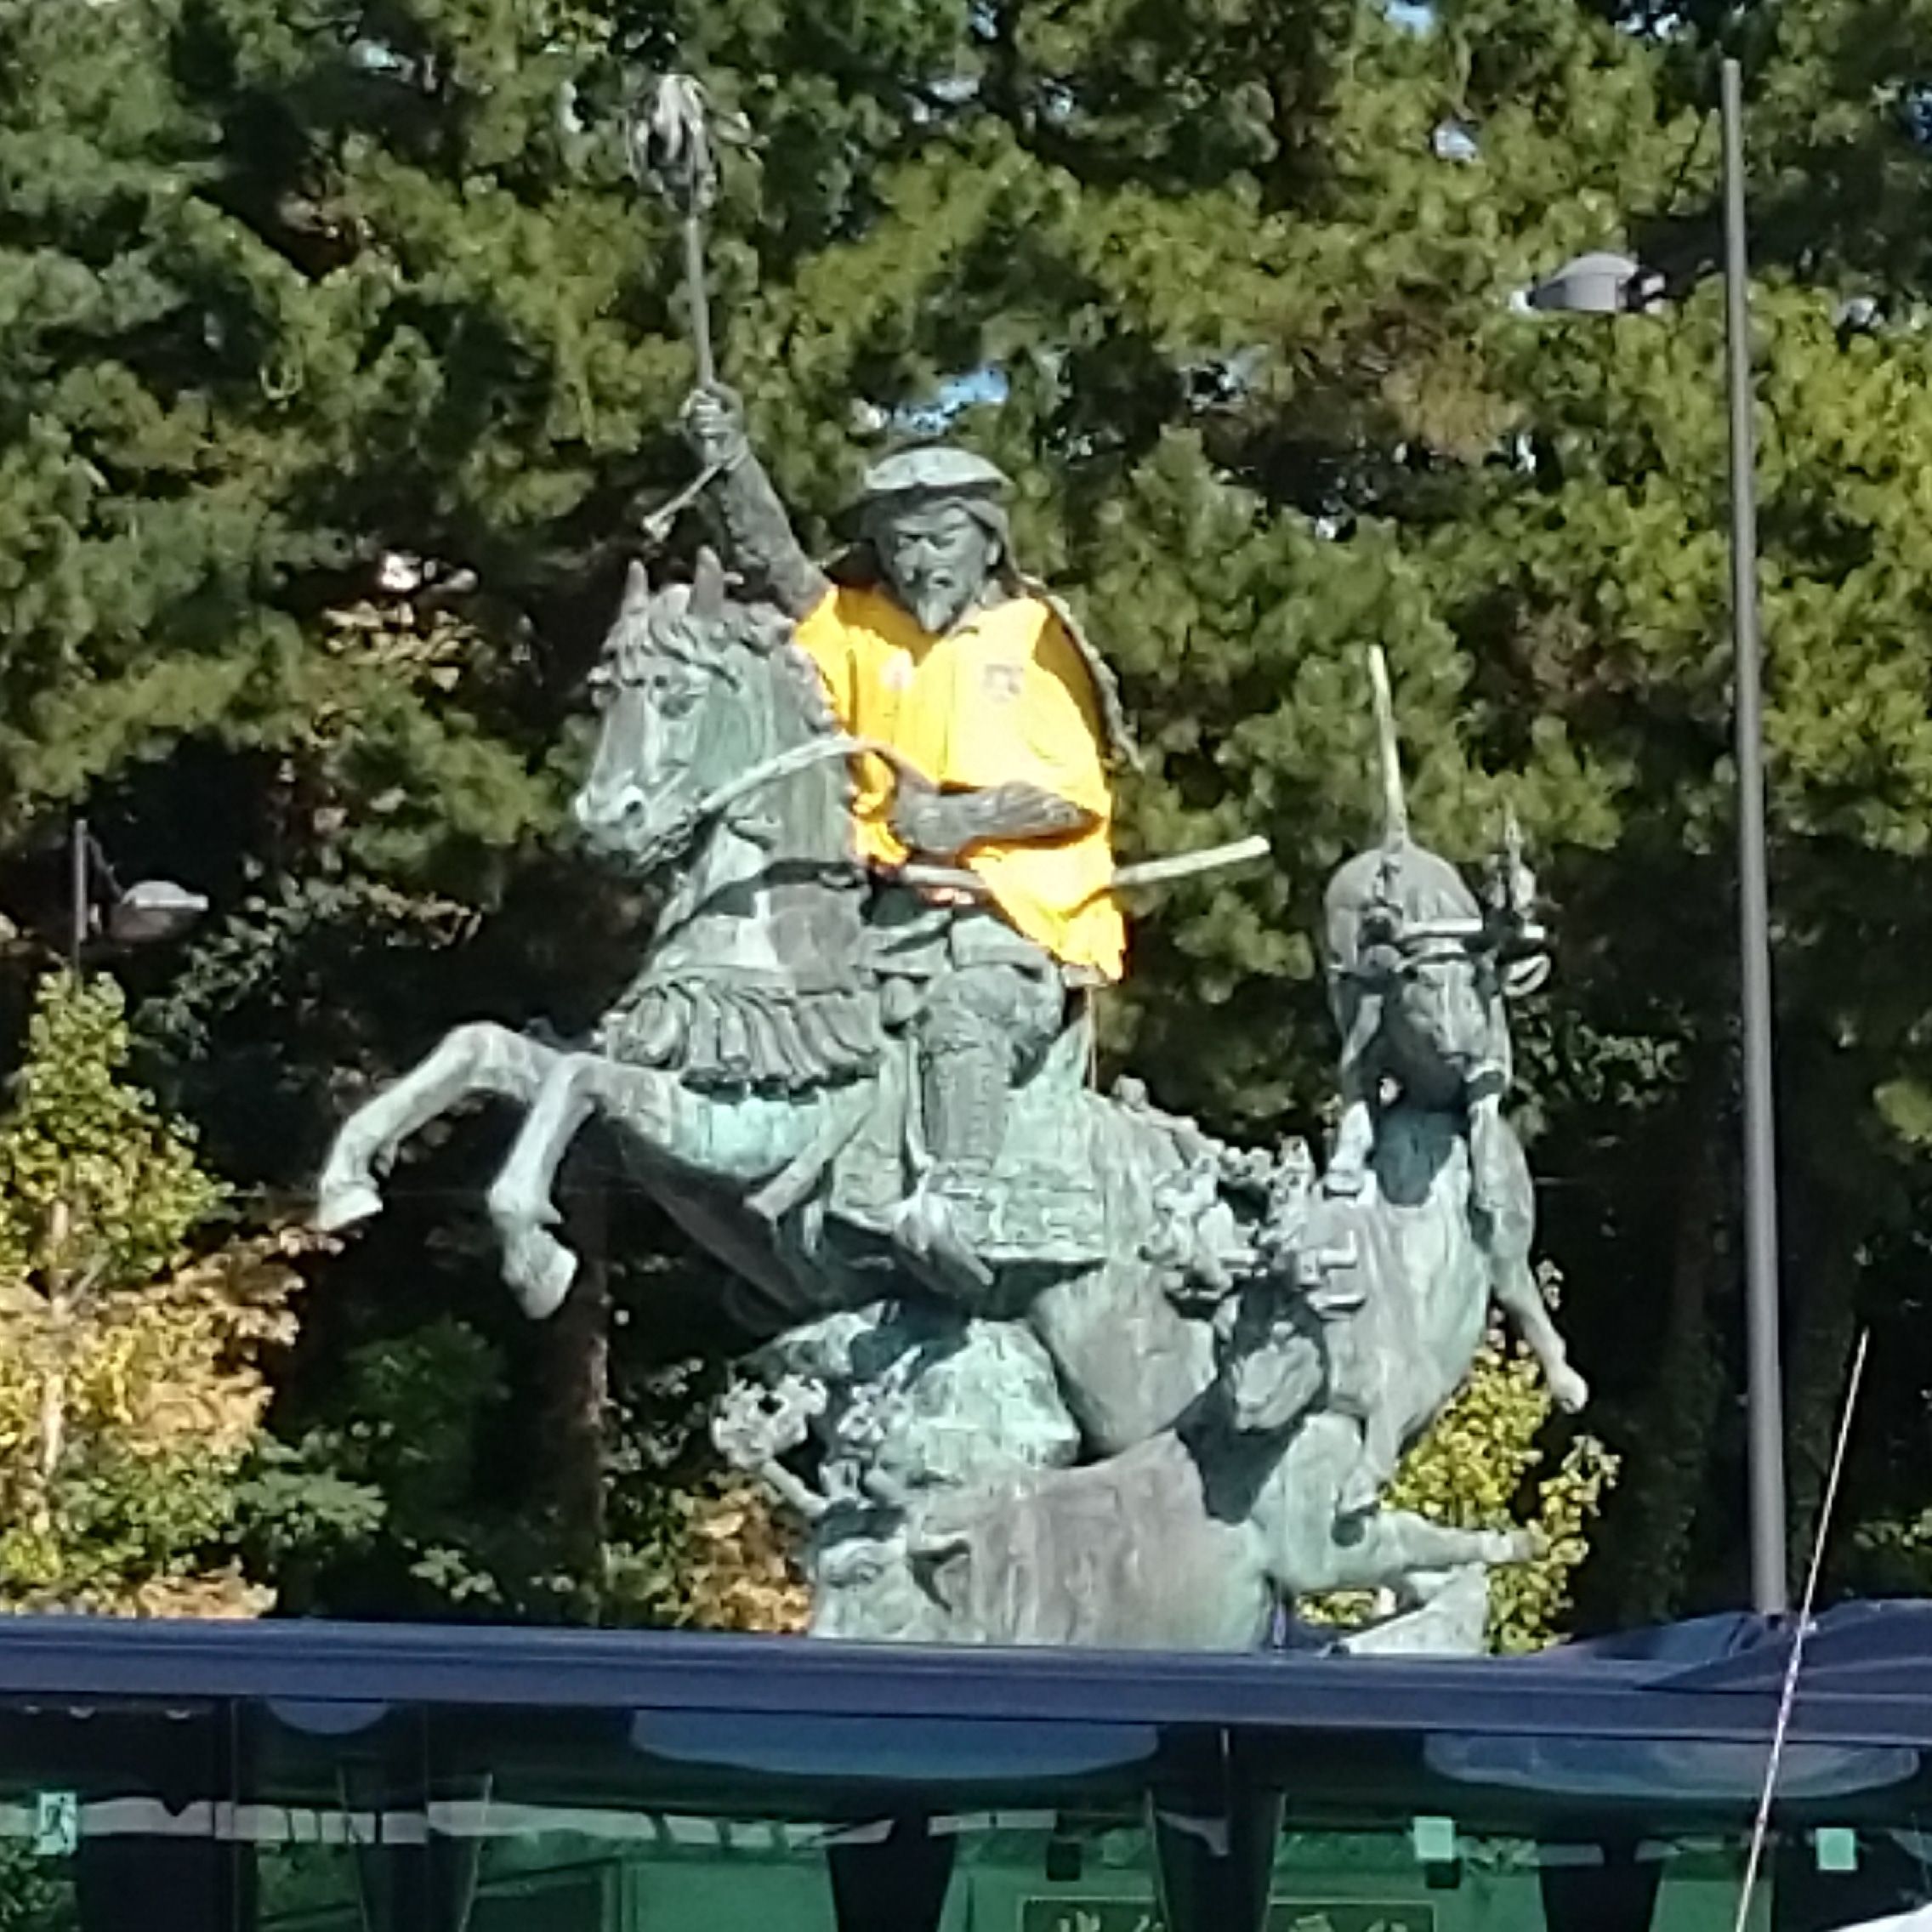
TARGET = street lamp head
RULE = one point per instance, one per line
(1598, 284)
(153, 910)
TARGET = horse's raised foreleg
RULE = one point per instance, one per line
(1515, 1289)
(1503, 1198)
(1506, 1198)
(537, 1267)
(480, 1057)
(1354, 1133)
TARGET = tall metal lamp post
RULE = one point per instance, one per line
(1609, 284)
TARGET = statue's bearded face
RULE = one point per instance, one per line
(938, 558)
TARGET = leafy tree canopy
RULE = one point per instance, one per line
(339, 353)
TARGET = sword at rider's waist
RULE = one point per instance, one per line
(1147, 871)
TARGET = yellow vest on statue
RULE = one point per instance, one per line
(1004, 698)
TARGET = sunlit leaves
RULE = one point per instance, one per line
(131, 1383)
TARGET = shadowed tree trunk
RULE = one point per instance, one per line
(1829, 1218)
(574, 1376)
(1670, 1461)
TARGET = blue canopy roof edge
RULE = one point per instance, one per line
(1676, 1647)
(1868, 1676)
(1874, 1649)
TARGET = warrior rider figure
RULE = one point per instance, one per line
(931, 642)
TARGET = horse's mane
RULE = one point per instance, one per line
(762, 630)
(723, 1028)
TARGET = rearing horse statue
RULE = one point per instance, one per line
(761, 1088)
(750, 1070)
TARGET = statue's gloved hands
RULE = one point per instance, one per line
(941, 825)
(758, 537)
(928, 821)
(713, 423)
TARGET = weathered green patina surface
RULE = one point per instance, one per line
(1049, 1365)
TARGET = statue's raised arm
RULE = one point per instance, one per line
(757, 530)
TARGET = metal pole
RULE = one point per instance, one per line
(77, 884)
(698, 295)
(1770, 1586)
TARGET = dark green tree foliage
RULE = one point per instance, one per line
(336, 356)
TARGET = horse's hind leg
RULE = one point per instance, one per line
(480, 1058)
(1391, 1546)
(1381, 1549)
(537, 1267)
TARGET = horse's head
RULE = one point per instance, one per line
(682, 713)
(721, 768)
(1404, 925)
(1443, 998)
(1403, 928)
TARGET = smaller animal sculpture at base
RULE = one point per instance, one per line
(1189, 1541)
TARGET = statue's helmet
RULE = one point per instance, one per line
(937, 471)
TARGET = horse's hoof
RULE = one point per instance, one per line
(539, 1270)
(1570, 1391)
(342, 1206)
(1344, 1183)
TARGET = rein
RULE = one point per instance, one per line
(676, 838)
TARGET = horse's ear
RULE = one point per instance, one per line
(707, 587)
(637, 586)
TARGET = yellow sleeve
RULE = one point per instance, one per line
(1053, 727)
(825, 637)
